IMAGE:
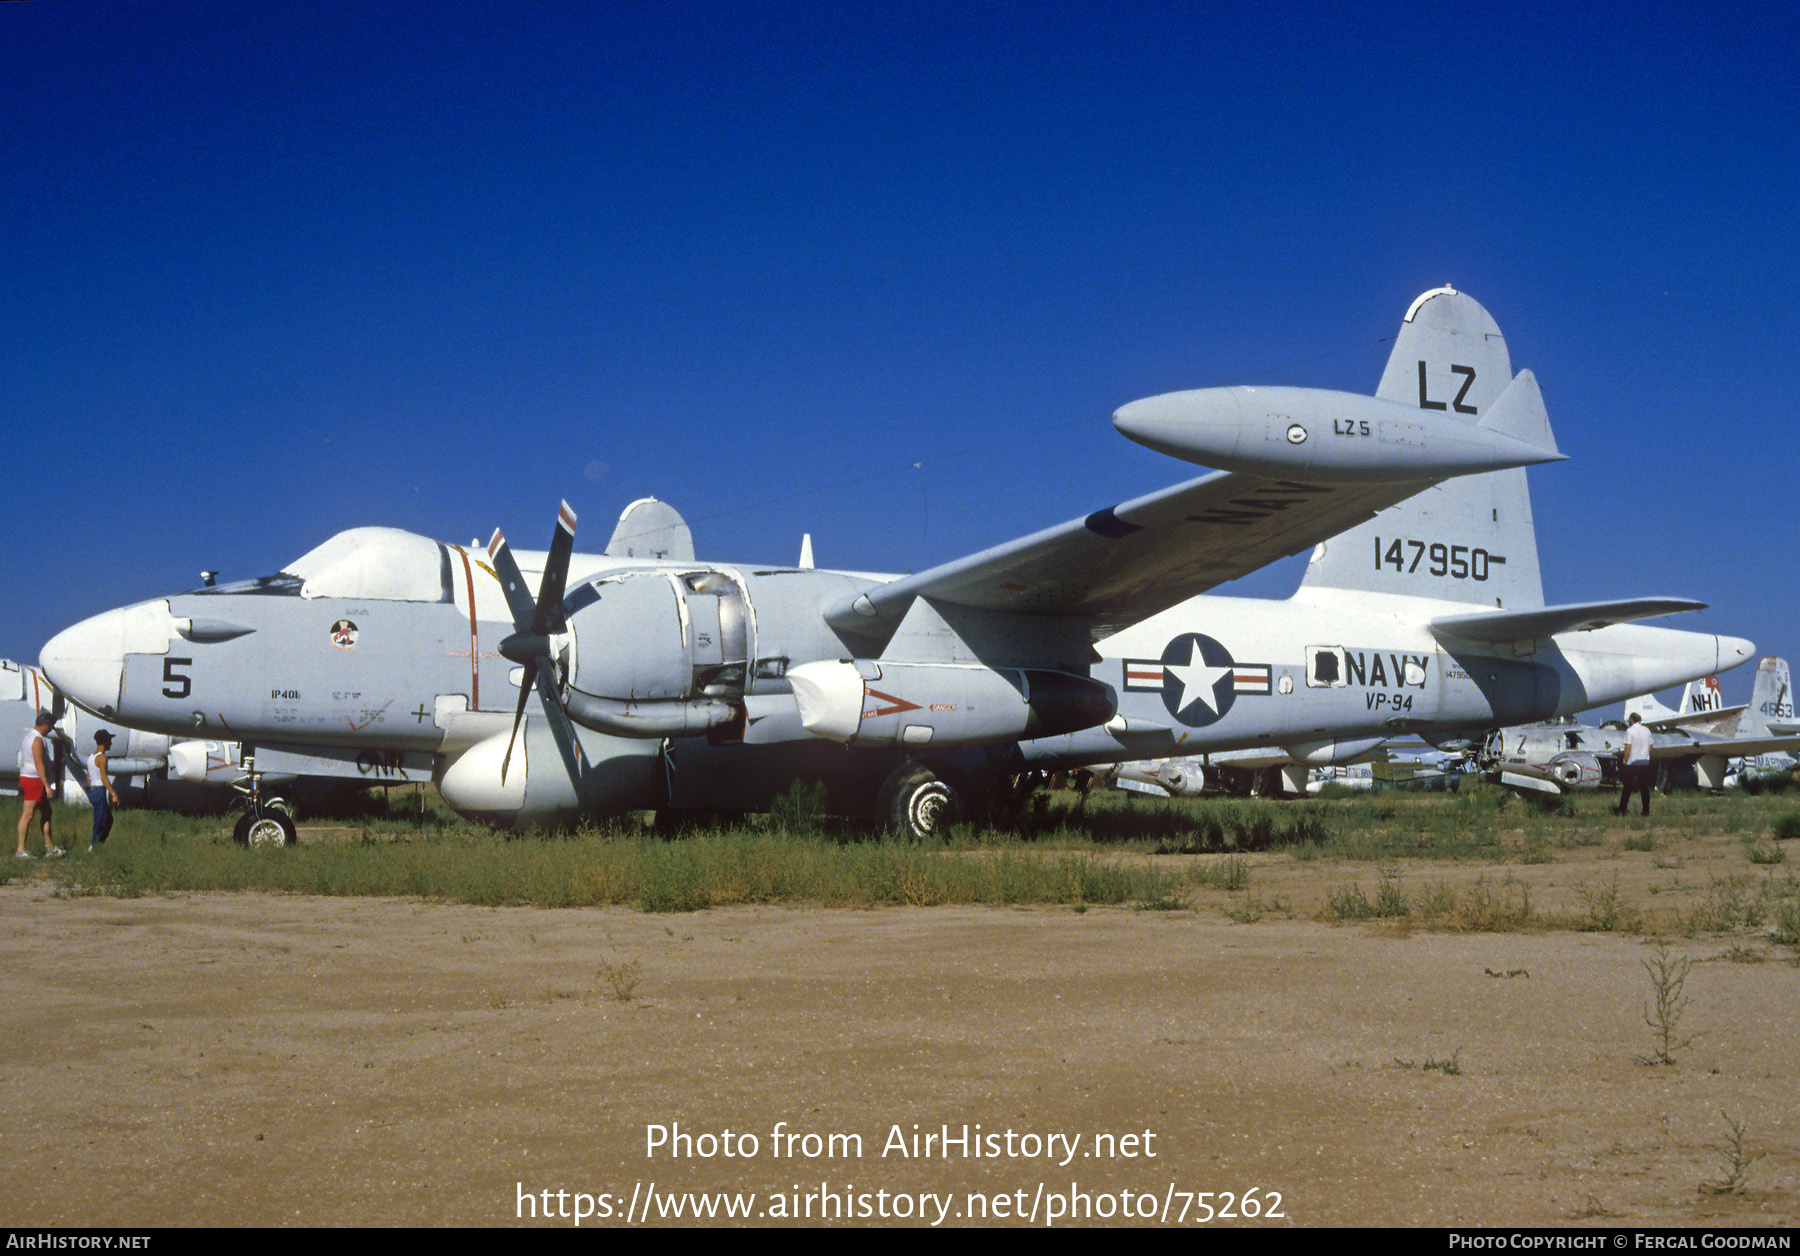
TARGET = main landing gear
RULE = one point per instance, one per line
(918, 802)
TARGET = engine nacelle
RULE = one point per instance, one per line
(657, 653)
(614, 775)
(944, 704)
(1575, 770)
(1183, 778)
(205, 761)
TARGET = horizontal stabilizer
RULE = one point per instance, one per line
(1543, 622)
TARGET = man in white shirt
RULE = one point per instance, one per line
(35, 783)
(1635, 769)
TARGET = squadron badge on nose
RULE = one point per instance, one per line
(343, 635)
(1198, 679)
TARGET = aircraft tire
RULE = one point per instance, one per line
(917, 804)
(276, 828)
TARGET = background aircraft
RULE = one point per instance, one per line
(1769, 713)
(24, 692)
(1702, 705)
(627, 682)
(1719, 747)
(1771, 700)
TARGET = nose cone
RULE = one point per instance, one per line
(87, 662)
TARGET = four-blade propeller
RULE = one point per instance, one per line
(534, 623)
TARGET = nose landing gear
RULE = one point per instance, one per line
(265, 822)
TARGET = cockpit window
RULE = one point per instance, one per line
(383, 564)
(281, 584)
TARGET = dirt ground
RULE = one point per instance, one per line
(215, 1059)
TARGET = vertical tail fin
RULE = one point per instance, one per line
(1702, 695)
(1771, 698)
(1469, 539)
(1647, 708)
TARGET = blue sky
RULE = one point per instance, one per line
(877, 274)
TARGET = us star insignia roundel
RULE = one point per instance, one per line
(1198, 679)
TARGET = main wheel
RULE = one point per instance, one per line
(274, 828)
(917, 804)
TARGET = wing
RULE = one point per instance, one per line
(1730, 747)
(1700, 721)
(1122, 564)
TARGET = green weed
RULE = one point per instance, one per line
(1668, 1003)
(1251, 909)
(1230, 873)
(1762, 852)
(621, 978)
(1451, 1067)
(1348, 903)
(1734, 1157)
(1607, 911)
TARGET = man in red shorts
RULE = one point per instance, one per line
(34, 783)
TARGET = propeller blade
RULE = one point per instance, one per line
(512, 581)
(526, 683)
(549, 617)
(562, 731)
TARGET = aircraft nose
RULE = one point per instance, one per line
(87, 661)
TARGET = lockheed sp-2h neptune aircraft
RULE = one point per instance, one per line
(540, 687)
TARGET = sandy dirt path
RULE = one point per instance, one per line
(252, 1059)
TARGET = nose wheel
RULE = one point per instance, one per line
(265, 822)
(272, 828)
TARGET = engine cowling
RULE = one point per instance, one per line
(1575, 770)
(204, 761)
(657, 654)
